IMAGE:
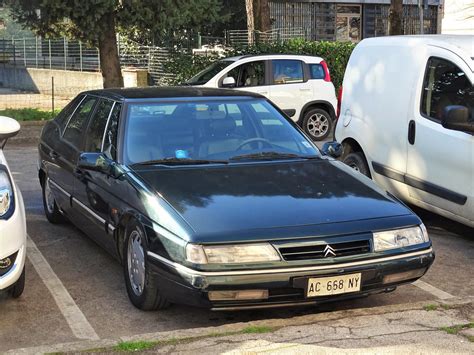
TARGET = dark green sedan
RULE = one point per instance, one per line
(215, 198)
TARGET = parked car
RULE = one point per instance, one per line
(12, 221)
(407, 119)
(215, 198)
(300, 85)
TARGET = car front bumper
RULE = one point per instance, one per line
(286, 286)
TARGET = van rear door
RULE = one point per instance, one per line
(440, 162)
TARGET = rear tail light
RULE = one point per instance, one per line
(339, 100)
(327, 76)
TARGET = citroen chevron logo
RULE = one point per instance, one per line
(329, 251)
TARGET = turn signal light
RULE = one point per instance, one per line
(402, 276)
(238, 295)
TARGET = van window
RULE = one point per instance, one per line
(287, 71)
(444, 85)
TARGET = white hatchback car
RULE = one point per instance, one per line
(12, 221)
(300, 85)
(407, 119)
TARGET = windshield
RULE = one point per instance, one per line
(207, 74)
(211, 131)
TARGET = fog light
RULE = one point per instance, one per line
(402, 276)
(238, 295)
(5, 263)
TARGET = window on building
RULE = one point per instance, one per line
(348, 23)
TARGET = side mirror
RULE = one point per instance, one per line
(333, 149)
(457, 118)
(228, 82)
(97, 162)
(8, 128)
(289, 112)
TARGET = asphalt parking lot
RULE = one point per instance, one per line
(75, 290)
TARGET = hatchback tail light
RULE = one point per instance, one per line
(339, 101)
(327, 76)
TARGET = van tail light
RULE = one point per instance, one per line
(339, 101)
(327, 76)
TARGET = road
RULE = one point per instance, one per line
(79, 292)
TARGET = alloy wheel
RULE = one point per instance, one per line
(317, 125)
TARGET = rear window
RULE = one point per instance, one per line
(316, 71)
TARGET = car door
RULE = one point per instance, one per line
(440, 161)
(290, 89)
(250, 76)
(51, 150)
(64, 157)
(92, 195)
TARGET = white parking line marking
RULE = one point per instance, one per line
(78, 323)
(442, 295)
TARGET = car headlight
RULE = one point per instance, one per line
(231, 254)
(6, 193)
(400, 238)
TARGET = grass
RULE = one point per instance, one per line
(28, 114)
(457, 328)
(135, 346)
(430, 307)
(130, 346)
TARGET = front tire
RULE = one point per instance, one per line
(356, 161)
(317, 123)
(51, 209)
(141, 284)
(18, 287)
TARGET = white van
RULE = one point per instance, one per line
(407, 119)
(299, 84)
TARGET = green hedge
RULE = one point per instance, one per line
(185, 65)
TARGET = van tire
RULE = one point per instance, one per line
(356, 161)
(317, 123)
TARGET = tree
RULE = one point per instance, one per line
(395, 18)
(258, 16)
(97, 22)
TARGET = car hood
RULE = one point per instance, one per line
(220, 200)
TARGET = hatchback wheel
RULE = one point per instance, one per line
(17, 288)
(317, 123)
(357, 162)
(142, 285)
(51, 209)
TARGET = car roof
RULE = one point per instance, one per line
(169, 92)
(464, 43)
(309, 58)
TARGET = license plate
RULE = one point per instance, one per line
(334, 285)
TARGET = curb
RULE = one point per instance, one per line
(236, 327)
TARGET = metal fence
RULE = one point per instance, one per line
(243, 37)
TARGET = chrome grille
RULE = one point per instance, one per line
(320, 251)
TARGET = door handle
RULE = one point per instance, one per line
(411, 132)
(303, 89)
(263, 92)
(79, 173)
(53, 155)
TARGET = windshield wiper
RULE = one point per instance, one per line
(177, 161)
(271, 156)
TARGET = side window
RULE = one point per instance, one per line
(316, 71)
(251, 74)
(95, 131)
(67, 111)
(444, 85)
(287, 71)
(78, 121)
(111, 132)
